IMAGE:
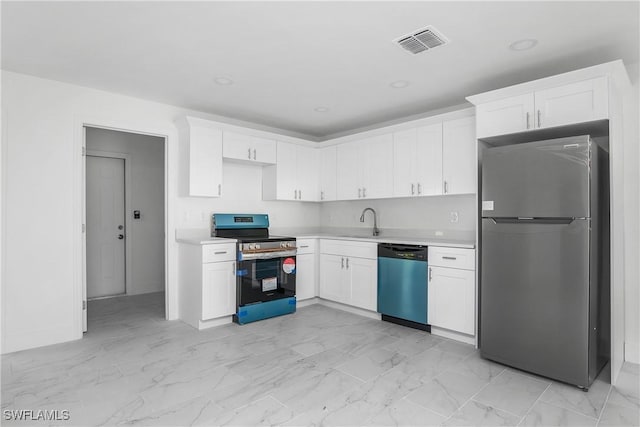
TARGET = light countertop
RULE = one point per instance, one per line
(407, 237)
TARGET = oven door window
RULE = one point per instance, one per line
(266, 280)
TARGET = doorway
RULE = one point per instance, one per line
(124, 189)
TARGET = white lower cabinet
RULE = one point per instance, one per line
(334, 282)
(218, 289)
(364, 282)
(306, 269)
(349, 273)
(452, 290)
(207, 282)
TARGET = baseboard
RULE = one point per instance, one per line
(350, 309)
(205, 324)
(307, 302)
(446, 333)
(632, 351)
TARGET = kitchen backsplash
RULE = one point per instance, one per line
(448, 214)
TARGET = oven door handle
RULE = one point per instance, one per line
(265, 255)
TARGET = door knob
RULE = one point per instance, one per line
(120, 236)
(120, 227)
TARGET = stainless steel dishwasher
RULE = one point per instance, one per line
(402, 284)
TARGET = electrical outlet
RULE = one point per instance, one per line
(453, 217)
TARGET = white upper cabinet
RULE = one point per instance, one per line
(509, 115)
(204, 159)
(348, 171)
(459, 164)
(328, 173)
(578, 102)
(365, 168)
(573, 103)
(249, 149)
(417, 161)
(294, 176)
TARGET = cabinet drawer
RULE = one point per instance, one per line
(349, 248)
(306, 246)
(219, 252)
(452, 257)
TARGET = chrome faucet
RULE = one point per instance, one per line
(375, 220)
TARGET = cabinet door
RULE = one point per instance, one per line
(348, 165)
(286, 169)
(205, 161)
(328, 173)
(236, 146)
(307, 174)
(305, 276)
(459, 165)
(218, 289)
(377, 174)
(573, 103)
(508, 115)
(428, 160)
(263, 150)
(333, 285)
(451, 303)
(363, 274)
(404, 163)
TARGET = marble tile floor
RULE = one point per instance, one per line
(318, 366)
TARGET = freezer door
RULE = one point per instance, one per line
(537, 179)
(534, 297)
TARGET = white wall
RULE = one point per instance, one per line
(427, 214)
(632, 217)
(42, 139)
(145, 192)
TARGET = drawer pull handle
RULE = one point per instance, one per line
(304, 246)
(220, 252)
(449, 257)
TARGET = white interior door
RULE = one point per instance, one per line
(105, 226)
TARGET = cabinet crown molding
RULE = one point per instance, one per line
(614, 69)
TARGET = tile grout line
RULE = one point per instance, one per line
(605, 404)
(534, 403)
(474, 395)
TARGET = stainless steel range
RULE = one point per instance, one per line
(266, 269)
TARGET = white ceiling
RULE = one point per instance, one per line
(287, 58)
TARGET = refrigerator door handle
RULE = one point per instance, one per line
(532, 220)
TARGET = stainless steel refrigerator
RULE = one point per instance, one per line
(544, 280)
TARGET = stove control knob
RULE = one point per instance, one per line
(289, 244)
(283, 245)
(252, 245)
(257, 246)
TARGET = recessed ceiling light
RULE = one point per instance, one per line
(399, 84)
(524, 44)
(321, 109)
(223, 81)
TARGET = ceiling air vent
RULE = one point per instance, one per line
(421, 40)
